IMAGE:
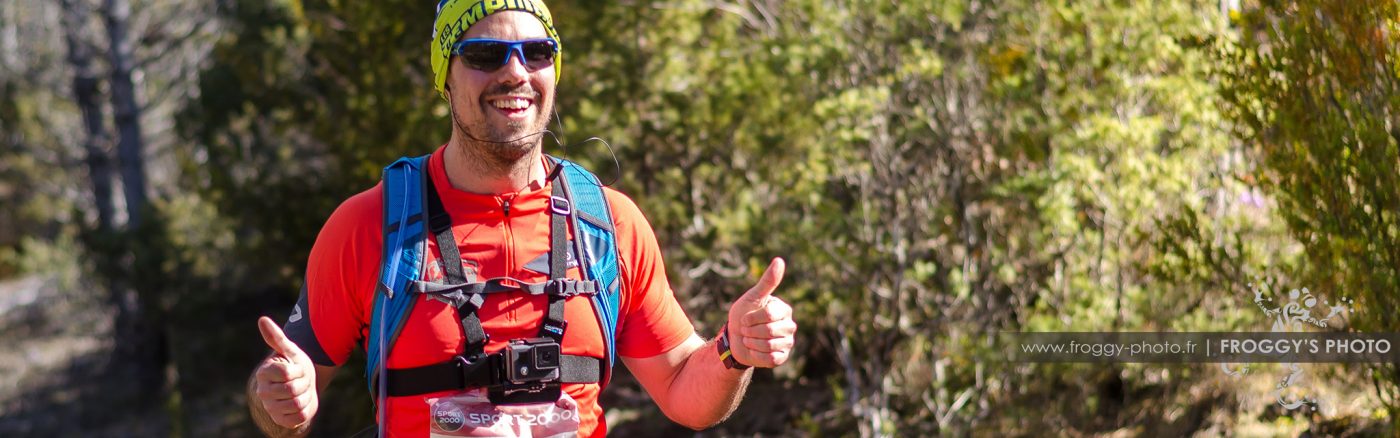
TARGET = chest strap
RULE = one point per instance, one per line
(457, 374)
(565, 287)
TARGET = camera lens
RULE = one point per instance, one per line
(547, 357)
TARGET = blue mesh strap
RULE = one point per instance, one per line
(402, 260)
(599, 250)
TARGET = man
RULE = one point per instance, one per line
(495, 184)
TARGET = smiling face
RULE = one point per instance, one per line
(501, 113)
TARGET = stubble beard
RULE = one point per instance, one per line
(499, 149)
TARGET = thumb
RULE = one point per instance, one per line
(272, 334)
(768, 283)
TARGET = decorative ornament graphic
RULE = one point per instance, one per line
(1300, 311)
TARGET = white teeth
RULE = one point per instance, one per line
(511, 104)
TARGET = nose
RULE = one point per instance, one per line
(514, 71)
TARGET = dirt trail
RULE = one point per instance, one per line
(56, 347)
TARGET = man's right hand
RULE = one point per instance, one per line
(286, 380)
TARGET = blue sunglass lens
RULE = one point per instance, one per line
(491, 55)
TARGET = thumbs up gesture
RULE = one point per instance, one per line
(285, 380)
(760, 325)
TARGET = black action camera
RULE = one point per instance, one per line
(532, 360)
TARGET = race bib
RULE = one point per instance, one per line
(471, 414)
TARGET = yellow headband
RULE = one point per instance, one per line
(455, 16)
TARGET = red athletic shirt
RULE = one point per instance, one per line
(498, 236)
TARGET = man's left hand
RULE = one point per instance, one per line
(761, 328)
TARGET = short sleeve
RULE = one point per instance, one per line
(653, 321)
(328, 321)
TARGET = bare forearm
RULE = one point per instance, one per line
(704, 391)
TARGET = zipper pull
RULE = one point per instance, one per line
(505, 207)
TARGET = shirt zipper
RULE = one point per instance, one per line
(509, 246)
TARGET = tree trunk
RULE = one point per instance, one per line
(87, 95)
(126, 110)
(140, 336)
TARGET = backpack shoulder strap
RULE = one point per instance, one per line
(596, 242)
(401, 263)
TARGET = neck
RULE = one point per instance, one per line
(470, 168)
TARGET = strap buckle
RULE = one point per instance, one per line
(566, 287)
(469, 370)
(560, 206)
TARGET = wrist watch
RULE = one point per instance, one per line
(725, 355)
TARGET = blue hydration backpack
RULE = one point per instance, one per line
(413, 214)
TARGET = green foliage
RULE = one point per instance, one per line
(933, 171)
(1313, 88)
(1005, 168)
(304, 111)
(35, 178)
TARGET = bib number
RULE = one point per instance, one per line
(471, 414)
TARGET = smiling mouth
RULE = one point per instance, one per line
(511, 106)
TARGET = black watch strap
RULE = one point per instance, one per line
(726, 355)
